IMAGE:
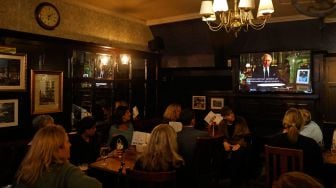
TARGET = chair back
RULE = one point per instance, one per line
(145, 179)
(280, 160)
(207, 158)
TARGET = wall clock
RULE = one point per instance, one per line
(47, 16)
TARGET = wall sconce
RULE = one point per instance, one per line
(125, 59)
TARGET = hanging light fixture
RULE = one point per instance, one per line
(218, 15)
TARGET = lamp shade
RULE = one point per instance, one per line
(206, 8)
(220, 5)
(265, 7)
(246, 4)
(210, 18)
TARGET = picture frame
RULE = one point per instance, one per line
(9, 112)
(13, 72)
(216, 103)
(198, 102)
(46, 91)
(302, 76)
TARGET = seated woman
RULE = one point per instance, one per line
(161, 151)
(310, 128)
(291, 138)
(239, 163)
(46, 163)
(85, 145)
(172, 113)
(41, 121)
(123, 125)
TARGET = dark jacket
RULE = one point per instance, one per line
(82, 151)
(186, 140)
(312, 155)
(240, 131)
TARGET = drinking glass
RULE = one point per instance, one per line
(104, 151)
(120, 147)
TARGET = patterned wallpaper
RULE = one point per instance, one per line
(77, 23)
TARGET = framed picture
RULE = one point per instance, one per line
(9, 113)
(217, 103)
(198, 102)
(46, 91)
(302, 76)
(12, 72)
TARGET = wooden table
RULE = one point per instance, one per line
(113, 164)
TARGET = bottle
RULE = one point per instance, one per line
(213, 124)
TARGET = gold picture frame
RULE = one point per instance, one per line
(198, 102)
(9, 110)
(216, 103)
(12, 71)
(46, 91)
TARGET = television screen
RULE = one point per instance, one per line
(286, 71)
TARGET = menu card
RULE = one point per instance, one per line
(211, 118)
(140, 138)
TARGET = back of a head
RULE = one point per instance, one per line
(172, 112)
(42, 121)
(306, 116)
(86, 123)
(43, 152)
(161, 151)
(292, 122)
(296, 180)
(162, 140)
(163, 134)
(49, 138)
(225, 111)
(187, 115)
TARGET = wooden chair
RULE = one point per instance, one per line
(146, 179)
(280, 160)
(207, 159)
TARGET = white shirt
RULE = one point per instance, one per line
(312, 130)
(266, 69)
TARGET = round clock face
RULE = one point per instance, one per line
(47, 16)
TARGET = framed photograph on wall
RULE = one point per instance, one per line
(12, 72)
(216, 103)
(46, 91)
(302, 76)
(9, 113)
(198, 102)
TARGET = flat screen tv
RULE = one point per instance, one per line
(276, 72)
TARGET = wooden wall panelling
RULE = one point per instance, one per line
(330, 90)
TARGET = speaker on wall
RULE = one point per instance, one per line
(156, 44)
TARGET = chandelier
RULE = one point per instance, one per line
(218, 15)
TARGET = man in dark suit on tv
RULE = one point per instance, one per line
(265, 71)
(264, 74)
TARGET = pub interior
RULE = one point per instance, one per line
(167, 63)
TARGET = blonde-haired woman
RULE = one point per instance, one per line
(46, 163)
(172, 113)
(291, 138)
(161, 151)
